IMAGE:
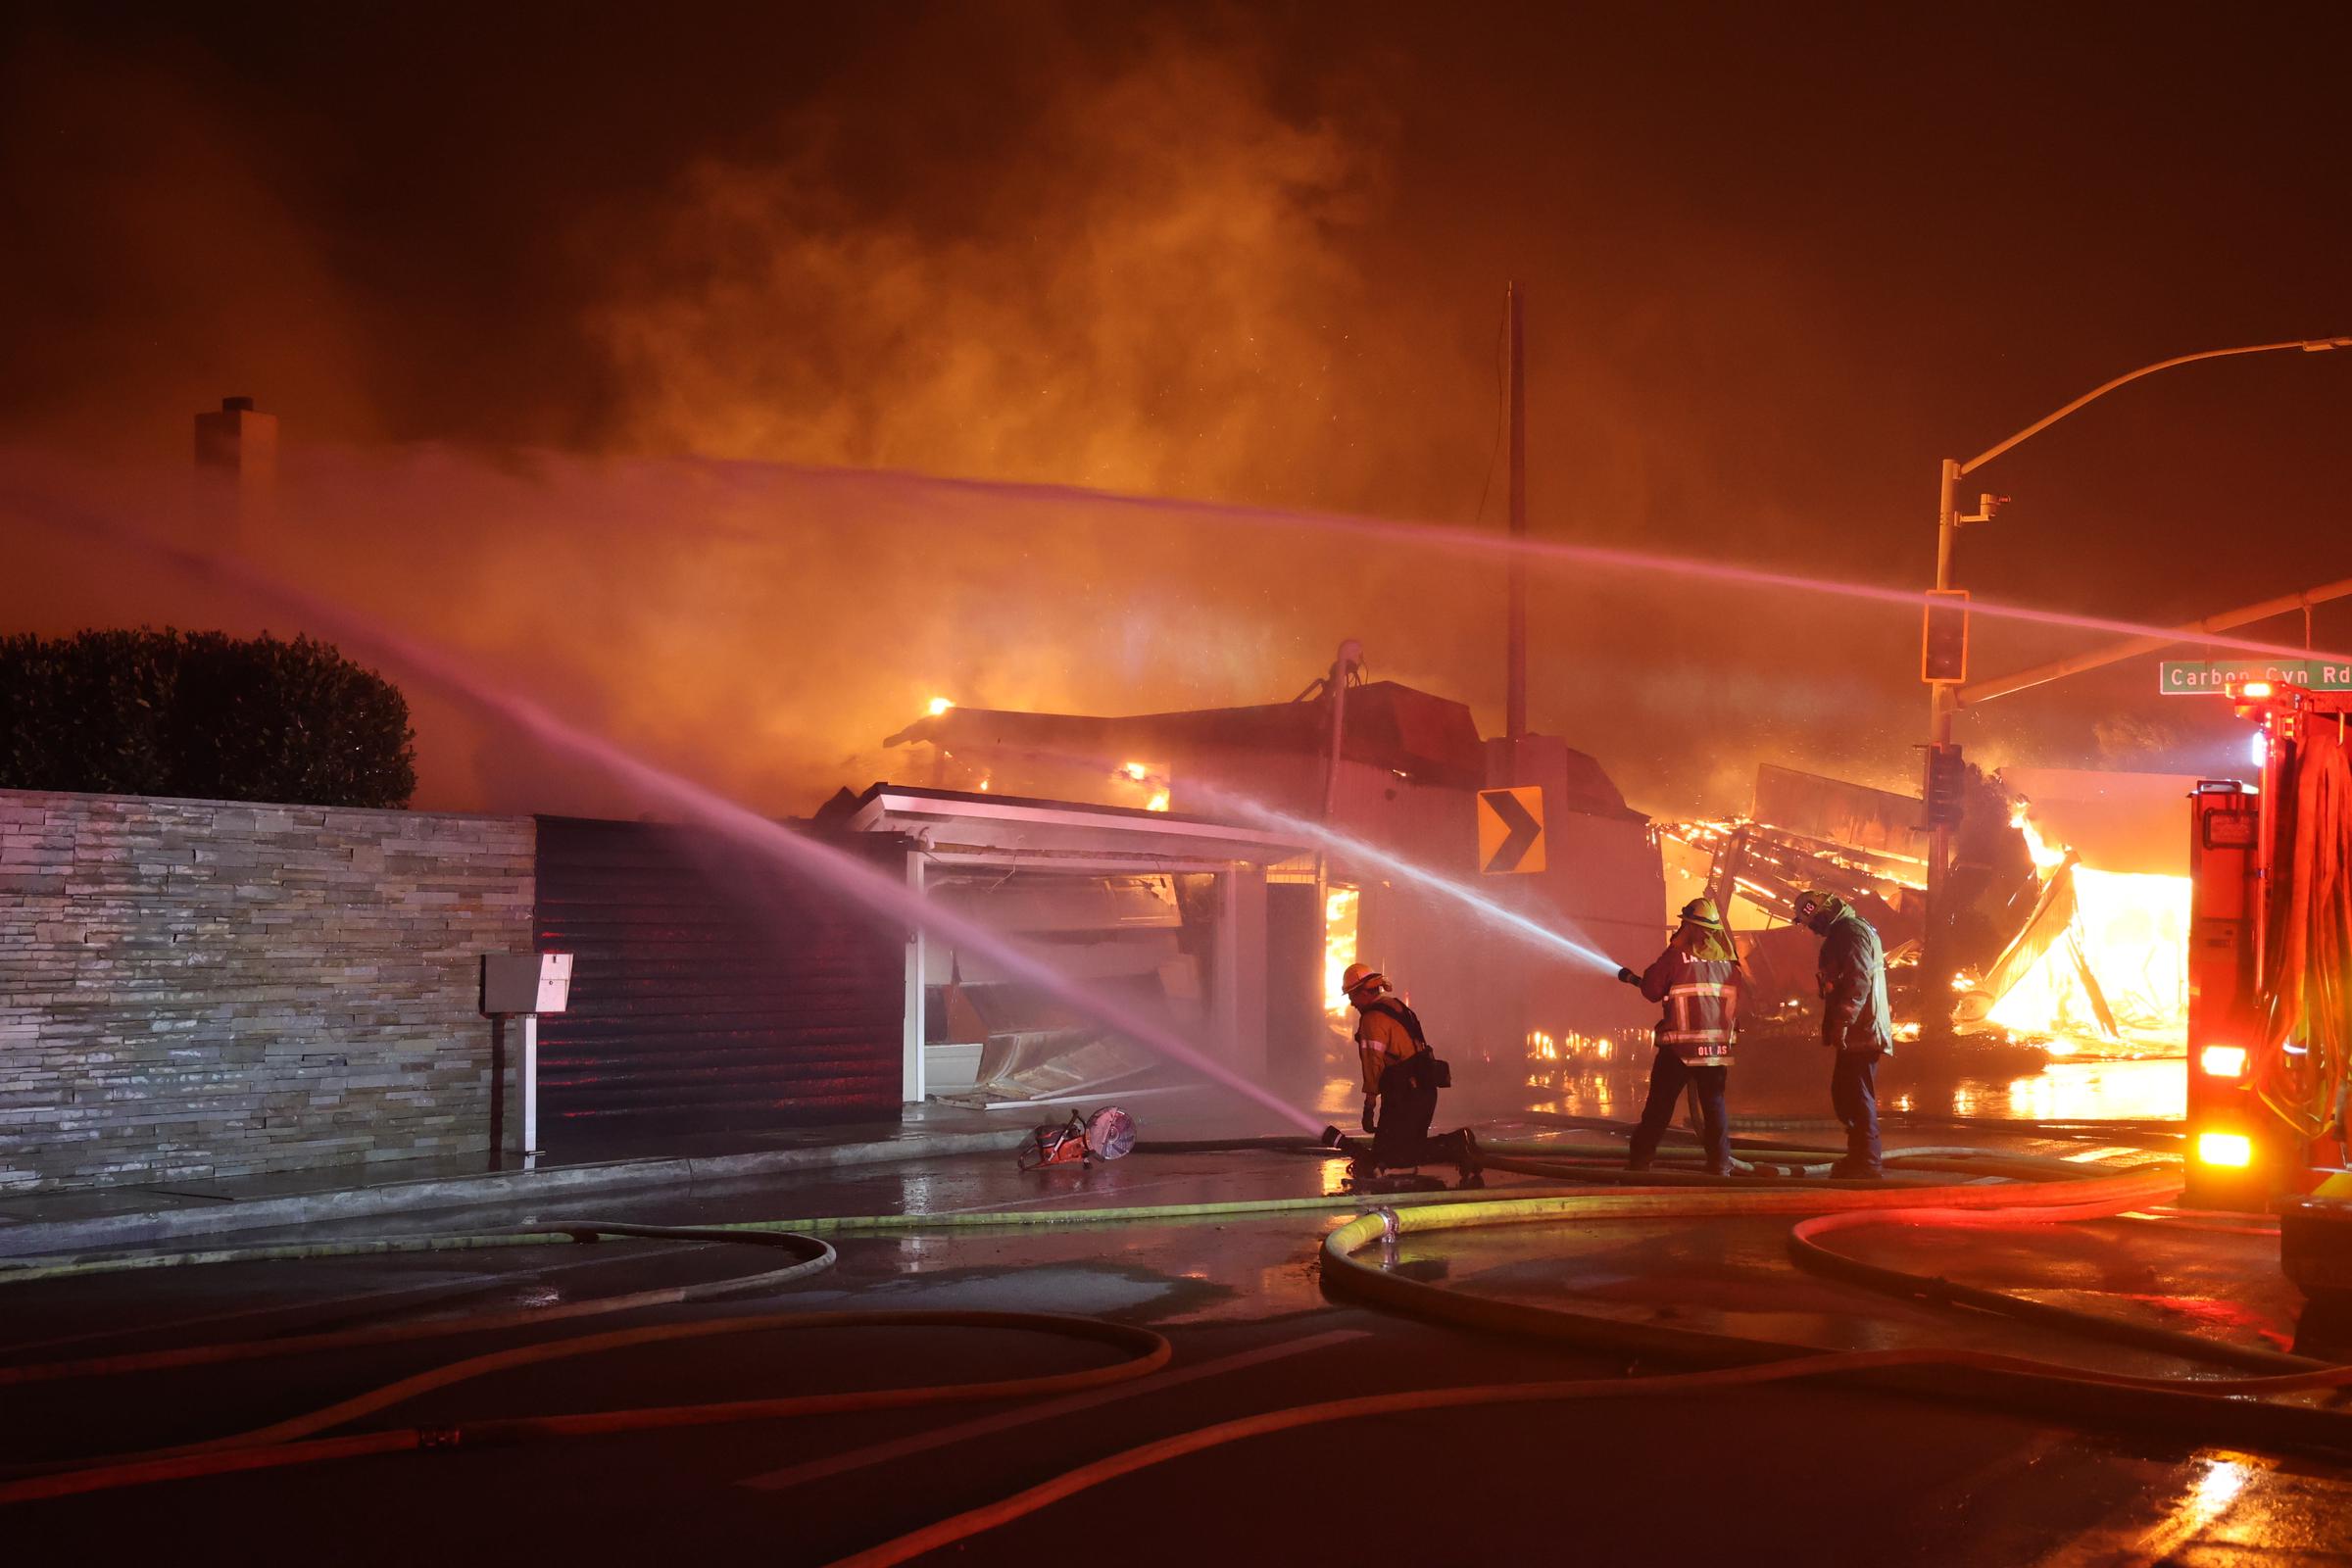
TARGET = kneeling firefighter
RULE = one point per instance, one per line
(1697, 978)
(1401, 1077)
(1855, 1022)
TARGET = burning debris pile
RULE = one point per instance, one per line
(1808, 832)
(2081, 951)
(2098, 959)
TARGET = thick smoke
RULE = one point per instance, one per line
(1161, 265)
(1151, 283)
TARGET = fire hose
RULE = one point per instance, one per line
(292, 1442)
(2212, 1410)
(2046, 1388)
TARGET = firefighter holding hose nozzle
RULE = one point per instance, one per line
(1855, 1022)
(1697, 979)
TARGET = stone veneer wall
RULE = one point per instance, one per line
(201, 989)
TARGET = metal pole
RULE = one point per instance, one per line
(1940, 734)
(530, 1090)
(912, 1087)
(1984, 691)
(1942, 698)
(1515, 707)
(1350, 658)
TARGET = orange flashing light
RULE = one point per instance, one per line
(2235, 1149)
(2223, 1062)
(2256, 690)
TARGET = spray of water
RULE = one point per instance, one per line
(860, 884)
(1510, 921)
(1460, 541)
(1359, 852)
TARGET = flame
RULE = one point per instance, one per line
(1341, 907)
(2048, 857)
(937, 705)
(1135, 771)
(2127, 937)
(1158, 802)
(1543, 1046)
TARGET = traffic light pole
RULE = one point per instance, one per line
(1943, 696)
(1934, 947)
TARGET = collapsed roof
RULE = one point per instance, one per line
(1433, 740)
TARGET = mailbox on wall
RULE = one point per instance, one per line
(524, 986)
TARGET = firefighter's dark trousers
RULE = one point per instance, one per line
(1408, 1104)
(1668, 1076)
(1854, 1093)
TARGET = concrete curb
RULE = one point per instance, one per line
(116, 1232)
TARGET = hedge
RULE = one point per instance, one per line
(202, 715)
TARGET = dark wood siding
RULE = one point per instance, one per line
(707, 993)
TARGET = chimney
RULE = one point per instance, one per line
(239, 444)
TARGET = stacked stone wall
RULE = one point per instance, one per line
(194, 989)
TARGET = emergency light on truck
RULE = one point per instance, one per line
(2235, 1149)
(2223, 1062)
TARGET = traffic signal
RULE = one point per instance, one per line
(1947, 786)
(1944, 638)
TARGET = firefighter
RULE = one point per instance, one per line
(1854, 1021)
(1401, 1076)
(1697, 979)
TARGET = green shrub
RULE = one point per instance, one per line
(202, 715)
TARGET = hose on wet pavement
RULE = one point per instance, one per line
(814, 1256)
(294, 1441)
(2041, 1387)
(1807, 1253)
(2217, 1409)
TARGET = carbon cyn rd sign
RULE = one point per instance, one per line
(2213, 677)
(1510, 830)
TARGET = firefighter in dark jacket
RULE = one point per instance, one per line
(1401, 1075)
(1697, 979)
(1855, 1023)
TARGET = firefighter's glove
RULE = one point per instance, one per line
(1369, 1118)
(1627, 976)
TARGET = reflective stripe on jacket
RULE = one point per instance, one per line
(1702, 1005)
(1854, 1015)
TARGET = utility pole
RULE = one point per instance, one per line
(1515, 704)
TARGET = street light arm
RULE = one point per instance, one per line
(2309, 345)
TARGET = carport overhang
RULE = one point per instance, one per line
(958, 828)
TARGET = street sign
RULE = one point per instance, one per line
(2212, 677)
(1510, 830)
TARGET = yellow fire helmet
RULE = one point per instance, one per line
(1701, 912)
(1818, 907)
(1360, 975)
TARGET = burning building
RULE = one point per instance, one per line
(1396, 773)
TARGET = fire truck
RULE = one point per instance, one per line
(2269, 984)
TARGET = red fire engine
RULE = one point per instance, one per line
(2270, 983)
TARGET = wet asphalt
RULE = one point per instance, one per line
(1791, 1472)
